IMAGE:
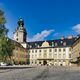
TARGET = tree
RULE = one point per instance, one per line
(3, 30)
(6, 46)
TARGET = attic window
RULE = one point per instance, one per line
(56, 44)
(53, 44)
(64, 43)
(38, 46)
(61, 42)
(30, 46)
(35, 44)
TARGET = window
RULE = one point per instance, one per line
(55, 56)
(64, 43)
(59, 56)
(40, 55)
(69, 49)
(35, 56)
(39, 62)
(32, 56)
(59, 50)
(35, 62)
(50, 50)
(30, 46)
(69, 55)
(29, 51)
(55, 60)
(39, 50)
(50, 55)
(59, 60)
(32, 62)
(35, 44)
(17, 39)
(45, 55)
(61, 42)
(52, 44)
(63, 60)
(32, 51)
(63, 50)
(45, 50)
(64, 56)
(55, 50)
(56, 44)
(35, 51)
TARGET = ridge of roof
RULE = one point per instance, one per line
(52, 40)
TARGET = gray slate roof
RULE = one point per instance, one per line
(53, 43)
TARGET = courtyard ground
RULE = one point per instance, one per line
(41, 73)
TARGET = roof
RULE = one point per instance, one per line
(17, 44)
(76, 40)
(52, 43)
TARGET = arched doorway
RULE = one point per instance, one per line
(44, 62)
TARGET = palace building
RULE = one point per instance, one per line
(52, 52)
(76, 50)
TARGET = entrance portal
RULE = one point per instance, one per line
(44, 62)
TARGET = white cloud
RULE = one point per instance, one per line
(41, 36)
(76, 28)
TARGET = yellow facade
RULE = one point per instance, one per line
(76, 49)
(49, 55)
(19, 54)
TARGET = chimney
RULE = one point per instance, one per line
(62, 38)
(70, 37)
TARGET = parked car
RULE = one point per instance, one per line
(3, 64)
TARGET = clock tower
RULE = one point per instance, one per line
(20, 33)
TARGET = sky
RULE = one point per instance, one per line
(43, 19)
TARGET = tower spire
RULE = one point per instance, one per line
(20, 33)
(20, 22)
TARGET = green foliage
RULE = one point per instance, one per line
(6, 46)
(3, 30)
(10, 47)
(2, 18)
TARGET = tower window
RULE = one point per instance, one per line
(17, 39)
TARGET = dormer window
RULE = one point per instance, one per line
(35, 44)
(52, 44)
(56, 44)
(64, 43)
(30, 46)
(38, 46)
(61, 42)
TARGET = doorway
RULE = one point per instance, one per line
(44, 62)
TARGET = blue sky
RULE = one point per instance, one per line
(44, 19)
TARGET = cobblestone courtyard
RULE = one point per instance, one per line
(41, 73)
